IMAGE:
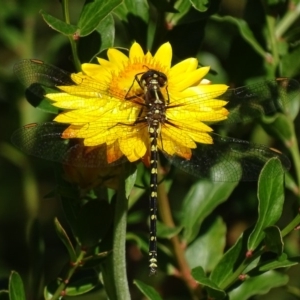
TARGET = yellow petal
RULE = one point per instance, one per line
(184, 66)
(164, 55)
(171, 147)
(116, 57)
(135, 52)
(185, 80)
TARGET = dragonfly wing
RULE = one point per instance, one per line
(34, 74)
(45, 141)
(256, 100)
(227, 159)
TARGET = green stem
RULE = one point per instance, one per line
(72, 38)
(239, 270)
(292, 145)
(291, 226)
(114, 268)
(289, 18)
(64, 283)
(273, 43)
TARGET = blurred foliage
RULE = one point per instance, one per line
(239, 248)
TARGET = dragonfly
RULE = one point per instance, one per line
(226, 159)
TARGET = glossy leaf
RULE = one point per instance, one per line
(207, 249)
(82, 286)
(282, 261)
(58, 25)
(164, 231)
(213, 290)
(92, 45)
(225, 271)
(135, 18)
(143, 244)
(147, 290)
(65, 239)
(130, 8)
(273, 240)
(259, 285)
(106, 28)
(245, 32)
(279, 126)
(201, 5)
(85, 281)
(16, 287)
(130, 173)
(94, 220)
(271, 199)
(203, 197)
(93, 13)
(95, 260)
(41, 103)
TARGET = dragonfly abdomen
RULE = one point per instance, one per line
(153, 133)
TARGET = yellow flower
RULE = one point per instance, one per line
(106, 106)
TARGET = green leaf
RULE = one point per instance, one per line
(226, 270)
(65, 239)
(94, 220)
(81, 283)
(201, 5)
(93, 13)
(245, 32)
(259, 285)
(106, 28)
(95, 260)
(130, 174)
(41, 103)
(213, 290)
(143, 244)
(135, 19)
(147, 290)
(16, 287)
(279, 126)
(280, 262)
(203, 197)
(58, 25)
(129, 8)
(164, 231)
(271, 199)
(208, 249)
(273, 240)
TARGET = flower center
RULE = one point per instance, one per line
(125, 82)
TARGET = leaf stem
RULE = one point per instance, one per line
(291, 226)
(71, 271)
(294, 150)
(166, 216)
(72, 39)
(273, 43)
(289, 18)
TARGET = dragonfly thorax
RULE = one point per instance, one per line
(152, 81)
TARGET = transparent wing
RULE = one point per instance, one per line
(227, 159)
(45, 141)
(39, 77)
(244, 103)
